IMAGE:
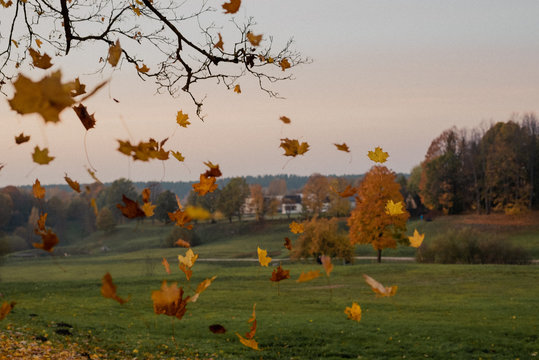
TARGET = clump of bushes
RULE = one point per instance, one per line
(469, 246)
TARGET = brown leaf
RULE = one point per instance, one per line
(6, 309)
(41, 157)
(279, 274)
(284, 64)
(146, 195)
(232, 7)
(21, 139)
(254, 39)
(131, 209)
(78, 88)
(73, 184)
(213, 171)
(342, 147)
(285, 119)
(308, 276)
(237, 89)
(38, 190)
(108, 289)
(292, 147)
(88, 121)
(115, 51)
(48, 240)
(220, 43)
(169, 300)
(206, 185)
(287, 243)
(40, 61)
(41, 222)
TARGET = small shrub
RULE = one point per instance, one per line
(12, 243)
(469, 246)
(181, 233)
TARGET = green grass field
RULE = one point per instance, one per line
(439, 311)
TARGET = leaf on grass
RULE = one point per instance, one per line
(108, 289)
(263, 257)
(40, 61)
(21, 139)
(206, 185)
(166, 265)
(115, 51)
(394, 208)
(38, 190)
(232, 7)
(217, 329)
(379, 289)
(41, 157)
(285, 119)
(254, 39)
(296, 228)
(326, 263)
(308, 276)
(72, 184)
(6, 309)
(237, 89)
(87, 120)
(293, 147)
(201, 287)
(378, 155)
(342, 147)
(131, 208)
(287, 243)
(47, 97)
(182, 119)
(354, 312)
(169, 300)
(417, 239)
(279, 274)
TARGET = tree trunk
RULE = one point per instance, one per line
(379, 256)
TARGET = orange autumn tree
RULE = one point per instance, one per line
(369, 223)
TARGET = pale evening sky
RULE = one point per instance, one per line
(393, 74)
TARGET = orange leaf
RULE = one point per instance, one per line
(287, 243)
(342, 147)
(48, 240)
(252, 321)
(182, 243)
(108, 289)
(248, 342)
(40, 61)
(6, 309)
(417, 239)
(308, 276)
(131, 209)
(41, 157)
(169, 301)
(187, 271)
(181, 219)
(279, 274)
(201, 287)
(254, 39)
(94, 206)
(237, 89)
(21, 139)
(297, 228)
(73, 184)
(232, 7)
(379, 289)
(182, 119)
(354, 312)
(87, 120)
(326, 263)
(143, 69)
(146, 195)
(115, 51)
(148, 209)
(378, 155)
(292, 147)
(284, 64)
(213, 171)
(347, 192)
(38, 190)
(206, 185)
(38, 42)
(166, 265)
(41, 222)
(263, 257)
(220, 43)
(285, 120)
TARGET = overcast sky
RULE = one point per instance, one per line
(393, 74)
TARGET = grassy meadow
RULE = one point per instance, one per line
(439, 311)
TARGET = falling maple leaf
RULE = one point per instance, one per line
(131, 208)
(285, 120)
(41, 157)
(394, 208)
(201, 287)
(38, 190)
(78, 88)
(87, 120)
(136, 10)
(354, 312)
(115, 51)
(292, 147)
(252, 321)
(279, 274)
(108, 289)
(145, 150)
(297, 228)
(21, 139)
(254, 39)
(40, 61)
(41, 222)
(6, 309)
(232, 7)
(342, 147)
(213, 170)
(378, 155)
(189, 259)
(417, 239)
(197, 213)
(148, 209)
(166, 265)
(143, 68)
(48, 240)
(220, 43)
(237, 89)
(378, 288)
(326, 263)
(284, 64)
(47, 97)
(217, 329)
(181, 219)
(72, 184)
(169, 300)
(178, 155)
(93, 175)
(206, 185)
(182, 243)
(251, 343)
(263, 257)
(146, 192)
(308, 276)
(287, 243)
(182, 119)
(347, 192)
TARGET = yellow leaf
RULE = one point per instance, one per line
(197, 213)
(115, 51)
(38, 190)
(232, 7)
(189, 258)
(237, 89)
(248, 342)
(181, 119)
(40, 61)
(297, 228)
(394, 208)
(284, 64)
(254, 39)
(148, 209)
(378, 288)
(6, 307)
(42, 156)
(292, 147)
(47, 97)
(326, 263)
(263, 257)
(201, 287)
(178, 155)
(143, 69)
(378, 155)
(417, 239)
(354, 312)
(308, 276)
(220, 43)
